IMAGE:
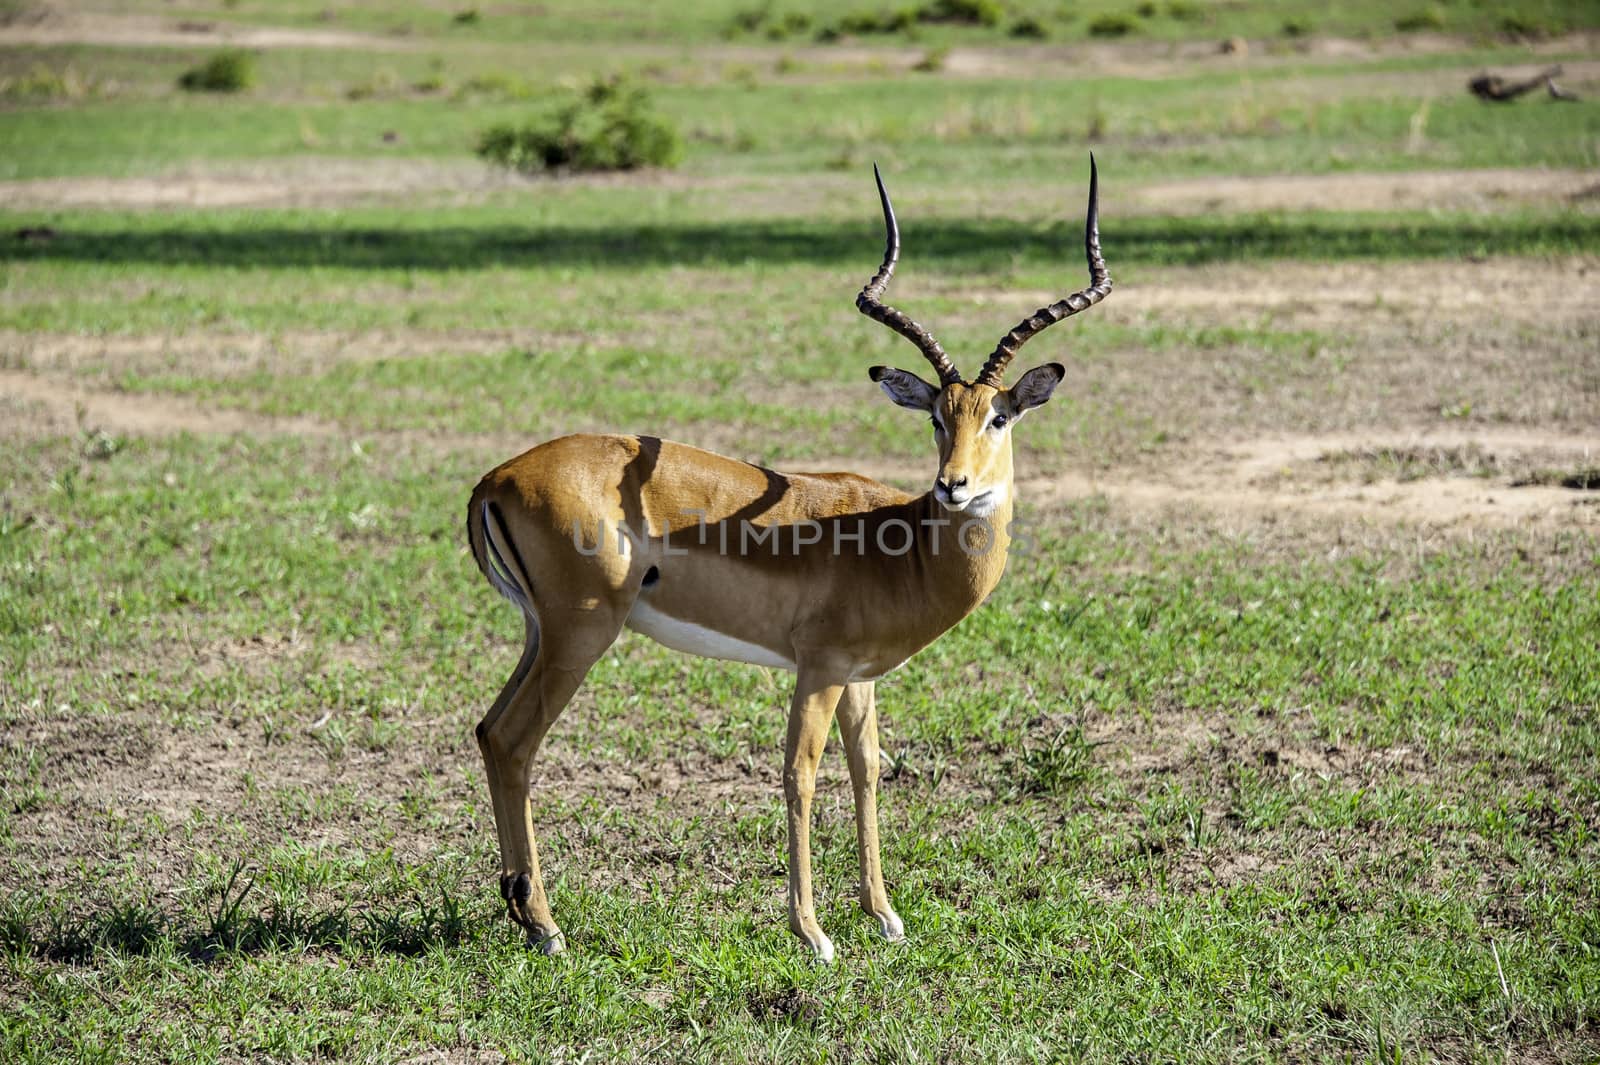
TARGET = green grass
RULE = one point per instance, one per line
(1192, 786)
(1078, 912)
(1286, 119)
(709, 20)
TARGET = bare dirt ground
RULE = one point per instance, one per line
(1256, 476)
(282, 183)
(1444, 190)
(55, 25)
(1457, 395)
(328, 182)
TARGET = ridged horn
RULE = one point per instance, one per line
(868, 302)
(993, 372)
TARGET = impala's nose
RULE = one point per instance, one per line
(951, 489)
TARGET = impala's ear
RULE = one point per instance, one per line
(1034, 387)
(906, 389)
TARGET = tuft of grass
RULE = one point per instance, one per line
(1112, 24)
(230, 71)
(932, 60)
(1056, 767)
(1030, 29)
(962, 12)
(1526, 25)
(41, 82)
(1429, 18)
(612, 126)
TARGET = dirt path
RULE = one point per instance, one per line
(1248, 477)
(68, 404)
(1474, 190)
(56, 27)
(320, 182)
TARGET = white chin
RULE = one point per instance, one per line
(979, 506)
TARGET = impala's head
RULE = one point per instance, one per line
(972, 420)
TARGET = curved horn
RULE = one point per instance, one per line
(993, 371)
(867, 303)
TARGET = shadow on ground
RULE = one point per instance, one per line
(311, 240)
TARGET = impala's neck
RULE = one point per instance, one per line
(961, 555)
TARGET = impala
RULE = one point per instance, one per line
(832, 576)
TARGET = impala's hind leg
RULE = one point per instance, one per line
(569, 643)
(530, 652)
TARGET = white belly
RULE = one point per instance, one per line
(699, 640)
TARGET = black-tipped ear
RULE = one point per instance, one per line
(905, 388)
(1034, 387)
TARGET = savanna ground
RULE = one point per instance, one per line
(1278, 742)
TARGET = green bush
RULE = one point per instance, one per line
(612, 126)
(231, 71)
(1427, 19)
(1185, 11)
(1527, 26)
(1029, 28)
(1296, 27)
(865, 22)
(968, 12)
(1112, 25)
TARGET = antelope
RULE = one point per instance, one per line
(832, 576)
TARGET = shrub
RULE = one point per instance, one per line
(932, 60)
(791, 24)
(1519, 24)
(1146, 9)
(611, 126)
(1112, 25)
(1426, 19)
(1185, 11)
(968, 12)
(231, 71)
(42, 83)
(750, 19)
(1029, 28)
(1296, 27)
(864, 22)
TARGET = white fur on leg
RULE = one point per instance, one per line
(890, 925)
(548, 945)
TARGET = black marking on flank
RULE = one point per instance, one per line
(651, 576)
(516, 556)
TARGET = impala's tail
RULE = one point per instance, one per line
(495, 552)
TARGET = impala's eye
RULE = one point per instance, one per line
(999, 422)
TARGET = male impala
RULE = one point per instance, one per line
(835, 577)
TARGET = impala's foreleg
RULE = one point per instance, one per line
(858, 723)
(810, 716)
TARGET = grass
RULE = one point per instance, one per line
(711, 20)
(1321, 722)
(1198, 783)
